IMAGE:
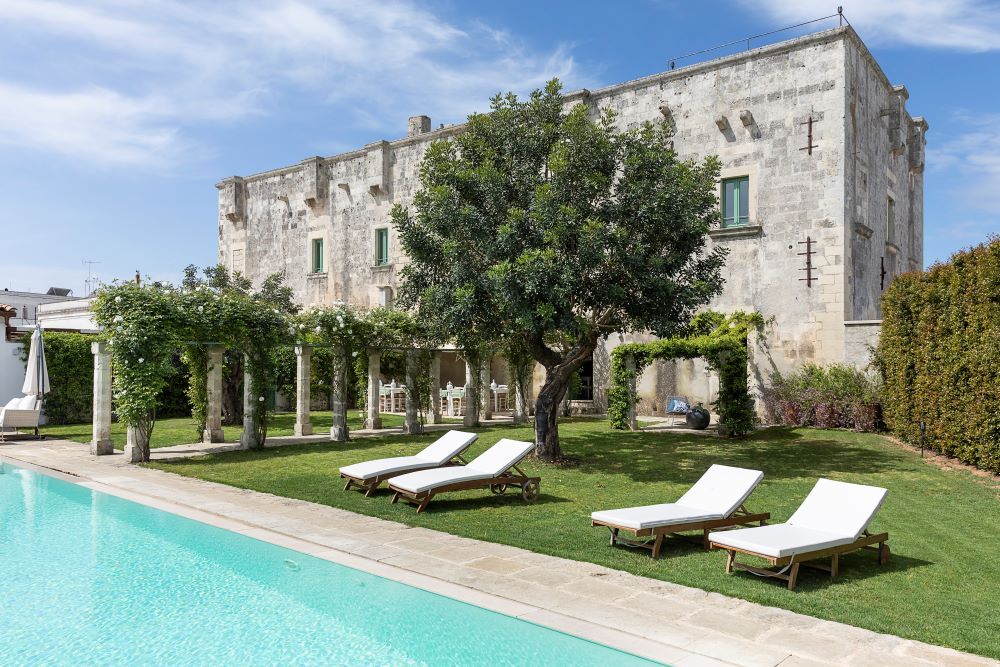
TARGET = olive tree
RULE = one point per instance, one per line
(553, 225)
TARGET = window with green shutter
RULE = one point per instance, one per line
(381, 247)
(317, 255)
(735, 201)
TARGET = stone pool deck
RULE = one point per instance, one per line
(682, 626)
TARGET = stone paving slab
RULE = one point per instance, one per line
(682, 626)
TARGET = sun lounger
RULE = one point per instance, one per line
(20, 412)
(490, 469)
(446, 449)
(832, 520)
(715, 501)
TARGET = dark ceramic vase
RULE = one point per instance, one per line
(698, 418)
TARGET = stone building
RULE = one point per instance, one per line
(818, 153)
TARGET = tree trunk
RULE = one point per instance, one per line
(232, 389)
(559, 367)
(547, 416)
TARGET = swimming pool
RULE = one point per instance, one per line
(89, 578)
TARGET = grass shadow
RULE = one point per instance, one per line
(779, 453)
(490, 500)
(854, 568)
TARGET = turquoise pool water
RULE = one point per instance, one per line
(88, 578)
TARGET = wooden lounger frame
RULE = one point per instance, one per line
(792, 563)
(529, 488)
(740, 517)
(369, 485)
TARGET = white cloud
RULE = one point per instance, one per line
(95, 123)
(120, 82)
(965, 25)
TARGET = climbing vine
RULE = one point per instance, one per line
(143, 329)
(145, 325)
(721, 340)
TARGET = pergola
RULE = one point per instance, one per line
(475, 377)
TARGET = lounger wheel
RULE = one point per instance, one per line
(498, 489)
(530, 491)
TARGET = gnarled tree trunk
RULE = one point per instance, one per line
(557, 374)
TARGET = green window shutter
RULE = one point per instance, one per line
(382, 246)
(317, 256)
(736, 201)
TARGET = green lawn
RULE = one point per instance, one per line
(941, 586)
(182, 431)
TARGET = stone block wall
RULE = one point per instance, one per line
(885, 160)
(752, 110)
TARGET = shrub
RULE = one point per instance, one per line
(71, 376)
(834, 396)
(939, 351)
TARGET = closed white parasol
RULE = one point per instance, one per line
(36, 379)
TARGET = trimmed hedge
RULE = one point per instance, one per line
(71, 376)
(939, 355)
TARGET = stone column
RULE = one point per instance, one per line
(434, 414)
(374, 369)
(338, 384)
(633, 423)
(134, 445)
(472, 395)
(484, 386)
(412, 424)
(249, 438)
(303, 379)
(213, 409)
(101, 443)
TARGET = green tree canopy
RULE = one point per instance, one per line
(557, 227)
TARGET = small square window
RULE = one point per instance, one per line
(381, 247)
(736, 201)
(317, 256)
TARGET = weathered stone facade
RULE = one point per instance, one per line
(821, 134)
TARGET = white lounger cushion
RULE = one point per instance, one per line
(434, 455)
(491, 463)
(719, 492)
(833, 514)
(448, 446)
(839, 507)
(397, 464)
(653, 516)
(722, 489)
(779, 540)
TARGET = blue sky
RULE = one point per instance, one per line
(117, 117)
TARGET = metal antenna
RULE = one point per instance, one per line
(90, 279)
